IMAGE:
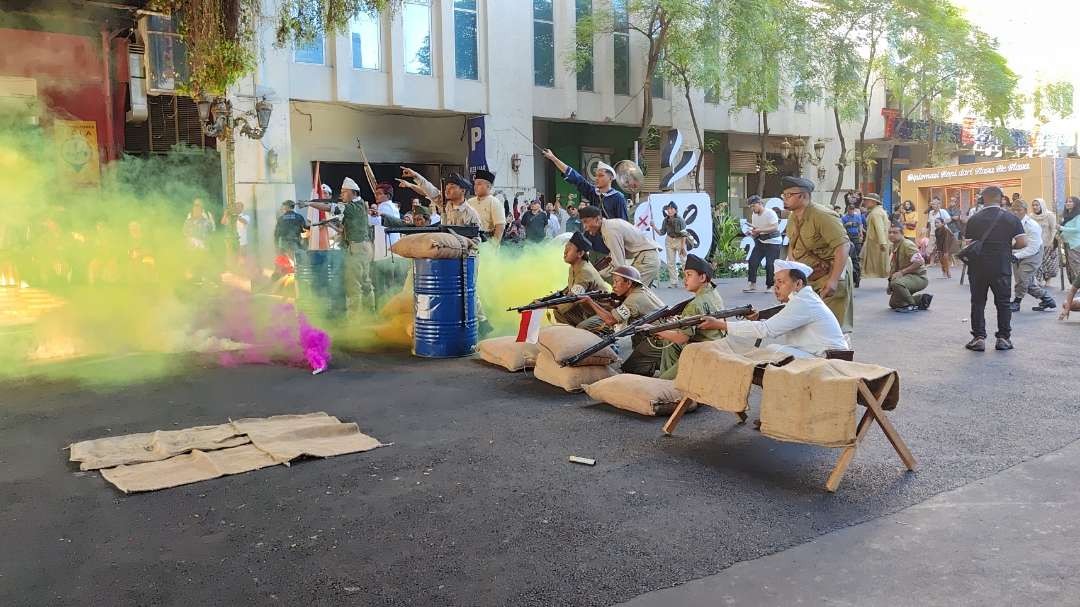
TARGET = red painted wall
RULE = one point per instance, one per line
(71, 78)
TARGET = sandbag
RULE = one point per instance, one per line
(571, 379)
(637, 393)
(564, 341)
(435, 245)
(508, 353)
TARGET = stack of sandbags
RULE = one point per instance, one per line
(558, 342)
(434, 245)
(508, 353)
(645, 395)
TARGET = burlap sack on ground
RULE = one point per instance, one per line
(287, 437)
(813, 400)
(435, 245)
(152, 446)
(508, 353)
(571, 379)
(637, 393)
(711, 373)
(564, 341)
(189, 468)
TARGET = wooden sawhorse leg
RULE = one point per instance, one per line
(683, 405)
(874, 412)
(677, 414)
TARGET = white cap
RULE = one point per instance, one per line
(349, 184)
(603, 166)
(783, 264)
(326, 188)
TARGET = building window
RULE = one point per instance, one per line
(712, 94)
(582, 10)
(658, 84)
(365, 31)
(416, 21)
(312, 52)
(800, 106)
(621, 40)
(465, 54)
(543, 43)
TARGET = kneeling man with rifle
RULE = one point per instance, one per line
(583, 278)
(638, 301)
(804, 328)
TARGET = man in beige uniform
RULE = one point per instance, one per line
(638, 300)
(875, 249)
(583, 278)
(626, 245)
(817, 238)
(488, 208)
(454, 211)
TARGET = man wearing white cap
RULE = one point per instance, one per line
(805, 328)
(609, 200)
(321, 237)
(356, 237)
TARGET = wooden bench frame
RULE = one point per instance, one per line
(874, 413)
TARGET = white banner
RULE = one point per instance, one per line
(693, 207)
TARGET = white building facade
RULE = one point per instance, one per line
(404, 85)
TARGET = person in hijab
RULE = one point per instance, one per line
(1048, 222)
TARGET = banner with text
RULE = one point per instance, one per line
(477, 139)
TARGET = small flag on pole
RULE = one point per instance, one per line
(529, 329)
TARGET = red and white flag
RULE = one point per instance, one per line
(319, 236)
(529, 329)
(644, 222)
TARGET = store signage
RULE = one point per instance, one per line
(973, 171)
(477, 157)
(695, 209)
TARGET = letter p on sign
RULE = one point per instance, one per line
(475, 135)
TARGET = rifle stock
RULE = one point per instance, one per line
(630, 329)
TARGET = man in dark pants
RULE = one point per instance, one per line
(1000, 232)
(855, 224)
(765, 230)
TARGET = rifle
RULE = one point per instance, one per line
(464, 231)
(768, 313)
(630, 329)
(697, 319)
(558, 298)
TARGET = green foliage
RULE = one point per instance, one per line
(941, 60)
(727, 234)
(220, 34)
(1051, 101)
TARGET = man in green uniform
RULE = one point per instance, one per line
(356, 236)
(698, 279)
(817, 238)
(583, 278)
(637, 301)
(907, 274)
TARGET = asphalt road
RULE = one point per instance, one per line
(475, 503)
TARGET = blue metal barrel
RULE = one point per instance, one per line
(320, 283)
(444, 291)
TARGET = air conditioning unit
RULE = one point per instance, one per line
(19, 98)
(136, 85)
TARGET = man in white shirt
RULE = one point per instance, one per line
(805, 328)
(625, 244)
(765, 230)
(1026, 261)
(384, 198)
(489, 208)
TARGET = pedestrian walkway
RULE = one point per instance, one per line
(1009, 539)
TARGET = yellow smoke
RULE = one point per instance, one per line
(510, 277)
